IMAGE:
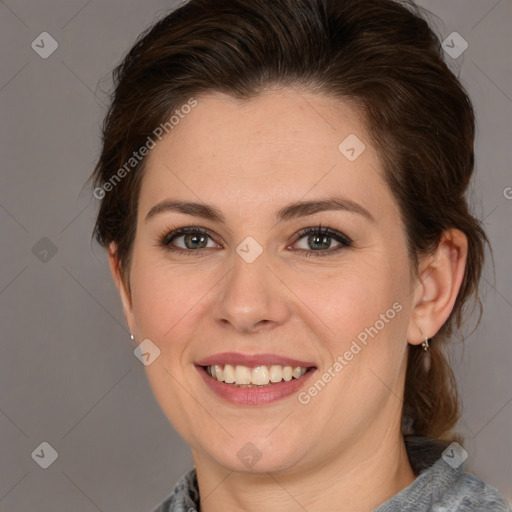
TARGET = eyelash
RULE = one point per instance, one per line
(167, 237)
(343, 240)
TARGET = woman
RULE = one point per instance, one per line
(282, 198)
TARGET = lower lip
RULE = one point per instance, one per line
(254, 396)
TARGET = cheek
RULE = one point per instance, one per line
(352, 299)
(158, 301)
(360, 317)
(167, 299)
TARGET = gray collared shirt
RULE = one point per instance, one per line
(438, 487)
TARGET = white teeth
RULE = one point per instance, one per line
(229, 374)
(219, 373)
(296, 372)
(276, 373)
(242, 375)
(258, 376)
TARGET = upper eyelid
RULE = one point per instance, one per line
(325, 230)
(178, 232)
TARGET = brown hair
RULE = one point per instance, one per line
(379, 54)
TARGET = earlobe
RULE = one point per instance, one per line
(437, 287)
(115, 269)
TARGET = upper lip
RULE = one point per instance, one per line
(252, 360)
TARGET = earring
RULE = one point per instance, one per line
(131, 336)
(425, 344)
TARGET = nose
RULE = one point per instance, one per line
(251, 297)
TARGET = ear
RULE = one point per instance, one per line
(437, 287)
(115, 269)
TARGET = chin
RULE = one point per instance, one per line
(259, 454)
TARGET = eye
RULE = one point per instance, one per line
(315, 241)
(187, 240)
(318, 241)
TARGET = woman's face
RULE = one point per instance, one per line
(254, 288)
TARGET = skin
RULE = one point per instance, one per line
(343, 450)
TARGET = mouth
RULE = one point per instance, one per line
(259, 376)
(254, 379)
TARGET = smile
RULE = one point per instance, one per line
(254, 379)
(258, 376)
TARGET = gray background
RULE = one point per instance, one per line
(68, 375)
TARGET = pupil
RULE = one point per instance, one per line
(194, 239)
(313, 239)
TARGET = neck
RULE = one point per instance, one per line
(368, 473)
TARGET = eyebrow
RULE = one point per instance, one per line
(289, 212)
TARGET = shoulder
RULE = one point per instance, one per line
(441, 485)
(442, 488)
(184, 496)
(469, 493)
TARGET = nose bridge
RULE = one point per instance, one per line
(250, 293)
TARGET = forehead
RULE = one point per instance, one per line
(279, 146)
